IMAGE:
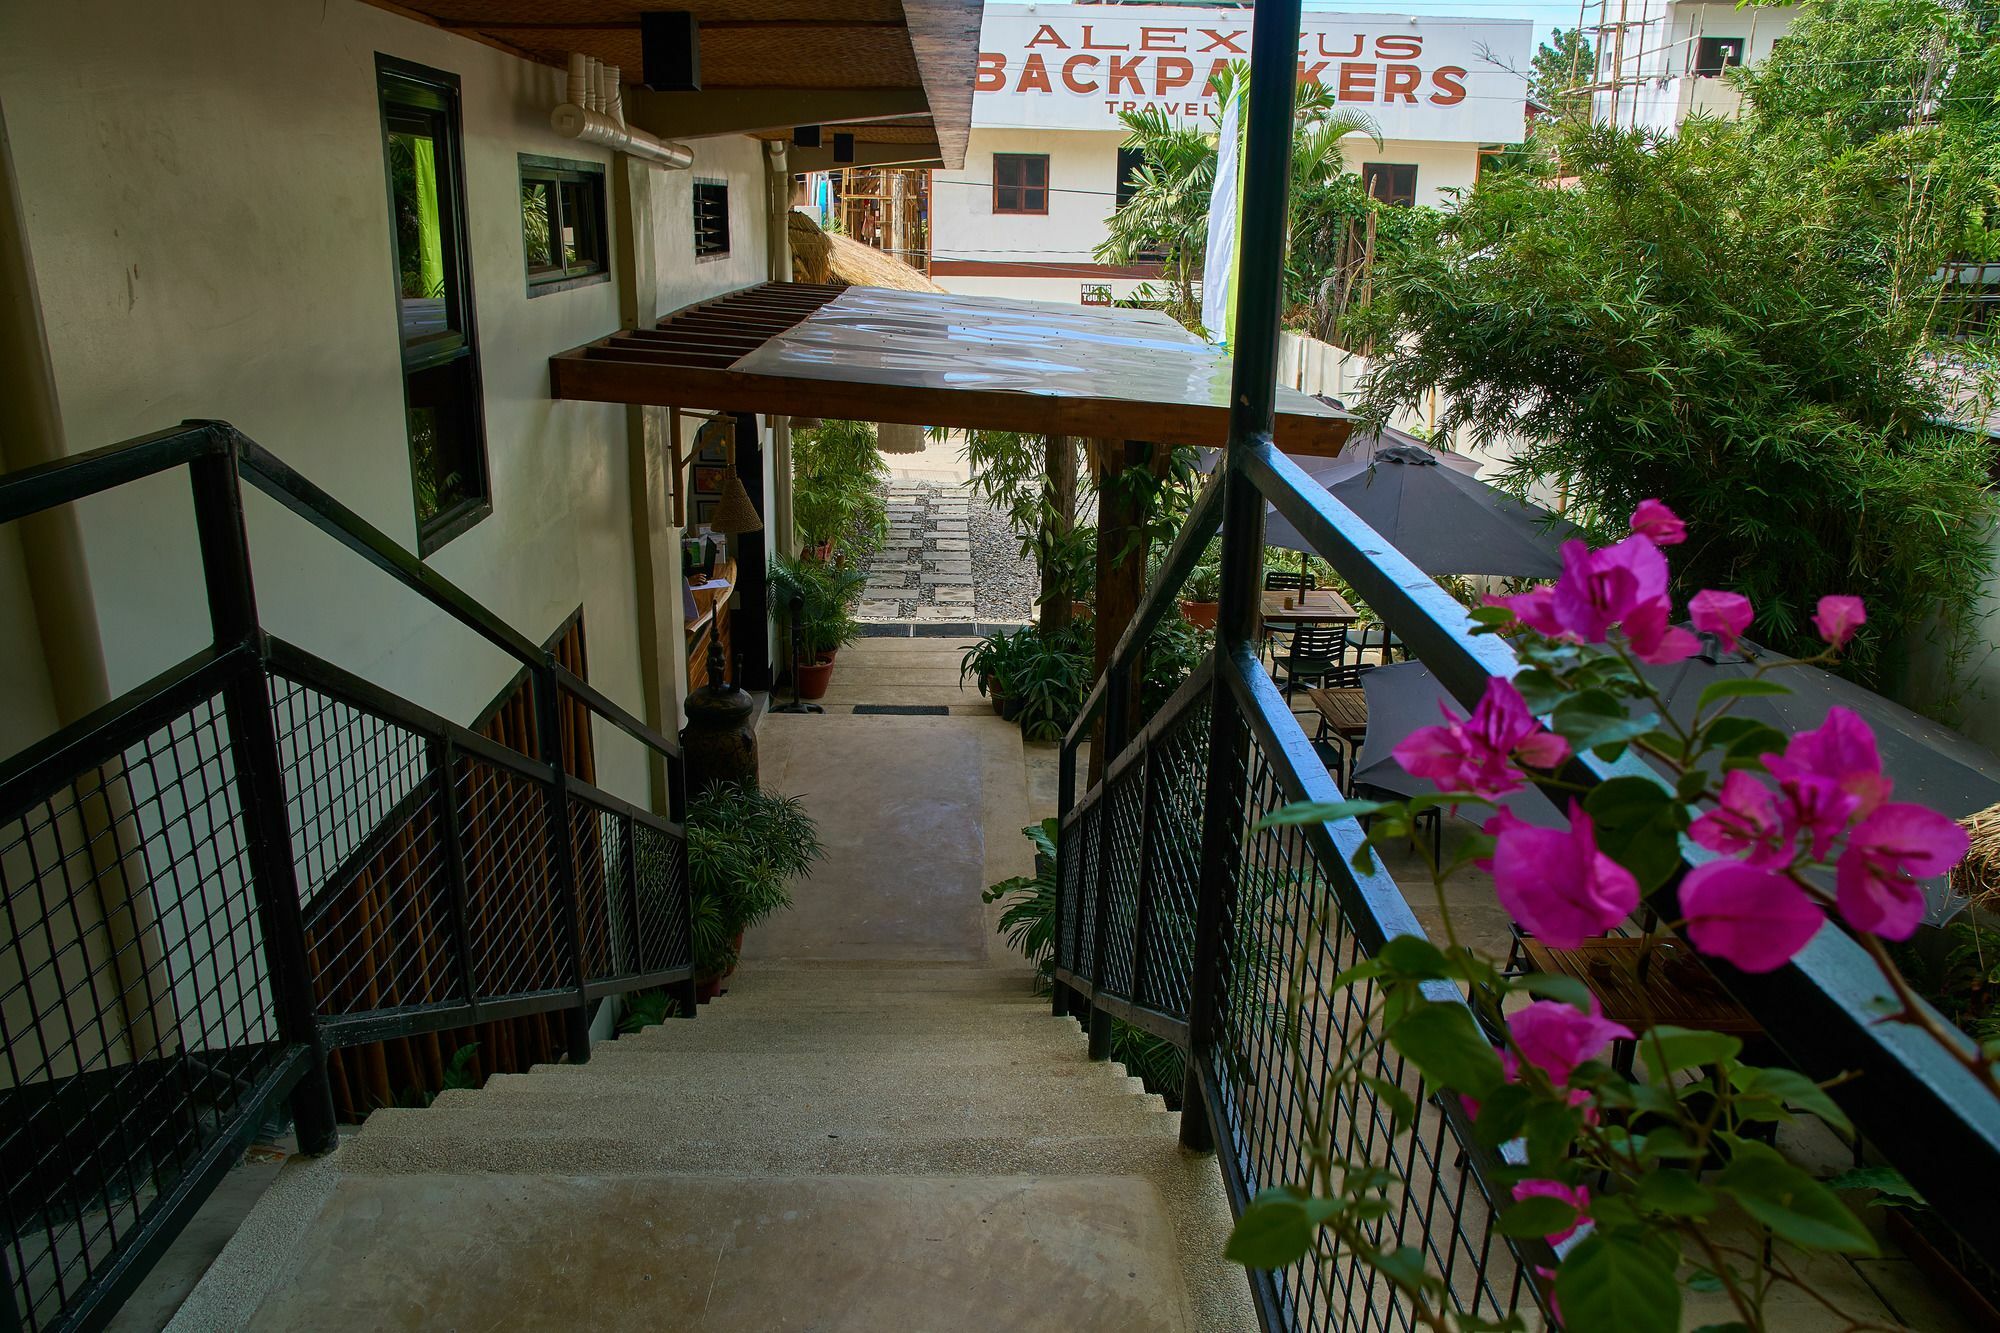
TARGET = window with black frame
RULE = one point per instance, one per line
(1020, 182)
(424, 145)
(562, 224)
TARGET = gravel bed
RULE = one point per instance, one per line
(950, 559)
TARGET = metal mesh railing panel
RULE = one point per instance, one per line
(1180, 780)
(514, 917)
(1070, 850)
(1082, 923)
(1125, 796)
(137, 1009)
(1290, 937)
(597, 841)
(660, 863)
(369, 846)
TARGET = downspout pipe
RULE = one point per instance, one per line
(595, 113)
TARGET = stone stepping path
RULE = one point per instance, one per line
(929, 570)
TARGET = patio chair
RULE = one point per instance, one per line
(1377, 638)
(1283, 580)
(1317, 657)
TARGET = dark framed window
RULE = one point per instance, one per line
(1390, 182)
(1712, 55)
(562, 224)
(1021, 183)
(1129, 162)
(711, 219)
(443, 404)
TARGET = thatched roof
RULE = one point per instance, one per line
(1977, 877)
(821, 257)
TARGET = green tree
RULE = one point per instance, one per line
(1166, 216)
(1708, 320)
(1562, 63)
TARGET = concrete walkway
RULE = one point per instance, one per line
(878, 1126)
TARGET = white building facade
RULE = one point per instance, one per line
(1045, 162)
(1661, 61)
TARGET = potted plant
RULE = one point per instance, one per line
(1201, 595)
(815, 600)
(1046, 678)
(987, 663)
(745, 847)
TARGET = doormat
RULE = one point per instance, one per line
(905, 710)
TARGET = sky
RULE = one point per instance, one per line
(1545, 16)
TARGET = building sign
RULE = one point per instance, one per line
(1075, 67)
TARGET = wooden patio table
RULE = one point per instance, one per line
(1642, 989)
(1315, 606)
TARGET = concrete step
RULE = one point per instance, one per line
(1066, 1059)
(1001, 1093)
(939, 1018)
(700, 1036)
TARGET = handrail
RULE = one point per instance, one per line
(28, 491)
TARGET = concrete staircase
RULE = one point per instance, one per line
(879, 1127)
(873, 1147)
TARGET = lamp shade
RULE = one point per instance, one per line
(733, 513)
(893, 439)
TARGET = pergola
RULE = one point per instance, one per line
(1128, 381)
(935, 359)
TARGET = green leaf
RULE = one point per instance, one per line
(1675, 1193)
(1414, 957)
(1886, 1179)
(1638, 825)
(1444, 1042)
(1549, 1130)
(1491, 615)
(1319, 812)
(1633, 800)
(1536, 1215)
(1551, 986)
(1275, 1230)
(1740, 687)
(1406, 1267)
(1745, 740)
(1791, 1203)
(1796, 1090)
(1703, 1280)
(1733, 1326)
(1614, 1284)
(1668, 1144)
(1502, 1114)
(1595, 719)
(1666, 1049)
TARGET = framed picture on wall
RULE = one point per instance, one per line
(704, 509)
(708, 480)
(711, 442)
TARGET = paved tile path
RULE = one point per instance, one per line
(948, 560)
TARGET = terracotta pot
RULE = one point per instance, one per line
(1200, 614)
(999, 701)
(1079, 610)
(814, 678)
(735, 952)
(704, 991)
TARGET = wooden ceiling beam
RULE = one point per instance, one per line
(867, 155)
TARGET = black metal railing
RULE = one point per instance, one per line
(256, 858)
(1277, 913)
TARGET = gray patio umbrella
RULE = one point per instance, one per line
(1444, 520)
(1930, 764)
(1402, 698)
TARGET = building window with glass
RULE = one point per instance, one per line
(1021, 183)
(424, 145)
(1390, 182)
(562, 224)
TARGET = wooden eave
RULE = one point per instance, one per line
(765, 64)
(771, 349)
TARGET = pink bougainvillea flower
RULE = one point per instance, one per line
(1556, 883)
(1812, 804)
(1724, 614)
(1534, 608)
(1599, 589)
(1876, 878)
(1744, 823)
(1655, 641)
(1661, 525)
(1576, 1196)
(1753, 917)
(1842, 750)
(1477, 754)
(1838, 617)
(1556, 1038)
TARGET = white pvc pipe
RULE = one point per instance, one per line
(575, 122)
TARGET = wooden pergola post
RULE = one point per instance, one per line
(1122, 512)
(1059, 495)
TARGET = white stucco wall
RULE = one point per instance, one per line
(1662, 52)
(1083, 177)
(208, 212)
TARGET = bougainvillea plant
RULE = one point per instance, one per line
(1665, 1179)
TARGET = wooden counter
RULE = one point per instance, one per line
(711, 620)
